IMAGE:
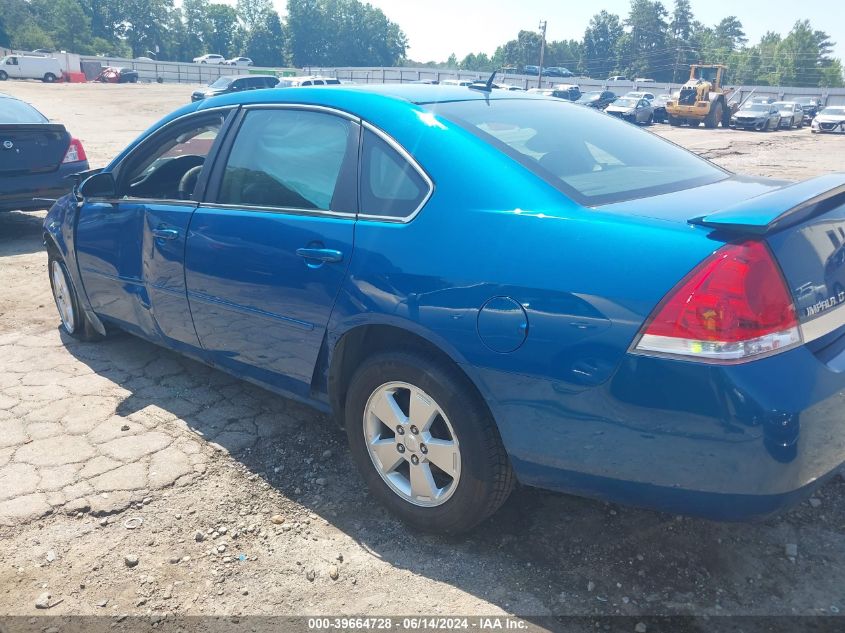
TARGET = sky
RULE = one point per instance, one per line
(436, 28)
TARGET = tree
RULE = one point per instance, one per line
(643, 48)
(254, 12)
(729, 34)
(265, 43)
(601, 40)
(221, 27)
(5, 42)
(682, 20)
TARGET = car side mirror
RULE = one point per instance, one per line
(100, 185)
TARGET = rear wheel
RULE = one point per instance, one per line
(3, 75)
(674, 121)
(49, 78)
(74, 322)
(424, 442)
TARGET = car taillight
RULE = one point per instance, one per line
(75, 152)
(734, 306)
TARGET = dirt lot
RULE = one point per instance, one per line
(134, 481)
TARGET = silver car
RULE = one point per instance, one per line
(632, 110)
(791, 114)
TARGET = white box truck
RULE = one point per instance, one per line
(46, 69)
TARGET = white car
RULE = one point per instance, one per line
(47, 69)
(456, 82)
(830, 120)
(210, 58)
(296, 82)
(616, 78)
(239, 61)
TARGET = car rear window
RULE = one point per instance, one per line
(592, 158)
(14, 111)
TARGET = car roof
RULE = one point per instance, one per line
(365, 100)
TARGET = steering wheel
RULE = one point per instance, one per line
(188, 182)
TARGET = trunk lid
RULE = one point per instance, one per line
(32, 148)
(803, 223)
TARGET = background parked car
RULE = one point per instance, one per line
(239, 61)
(615, 78)
(457, 82)
(210, 58)
(599, 99)
(831, 120)
(117, 75)
(530, 70)
(791, 114)
(632, 110)
(225, 85)
(756, 116)
(36, 157)
(570, 92)
(811, 106)
(47, 69)
(641, 95)
(294, 82)
(558, 71)
(659, 105)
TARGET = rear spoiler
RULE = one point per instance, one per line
(780, 208)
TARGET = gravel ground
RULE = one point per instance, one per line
(135, 481)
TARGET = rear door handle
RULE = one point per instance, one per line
(165, 234)
(320, 254)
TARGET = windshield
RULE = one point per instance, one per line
(756, 107)
(222, 82)
(783, 105)
(626, 103)
(14, 111)
(592, 158)
(834, 111)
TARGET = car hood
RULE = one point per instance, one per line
(752, 115)
(680, 206)
(615, 108)
(830, 118)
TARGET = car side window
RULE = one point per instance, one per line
(168, 167)
(390, 186)
(291, 159)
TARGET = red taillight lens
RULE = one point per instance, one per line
(733, 306)
(75, 152)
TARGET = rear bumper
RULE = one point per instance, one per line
(18, 193)
(725, 442)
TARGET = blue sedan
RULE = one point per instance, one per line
(484, 288)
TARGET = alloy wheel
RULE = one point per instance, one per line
(63, 298)
(412, 444)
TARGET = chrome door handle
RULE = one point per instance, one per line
(165, 234)
(320, 254)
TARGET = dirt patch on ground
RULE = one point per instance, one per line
(134, 481)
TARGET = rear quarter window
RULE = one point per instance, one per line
(14, 111)
(390, 186)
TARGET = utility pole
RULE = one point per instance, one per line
(542, 28)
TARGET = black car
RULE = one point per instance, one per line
(568, 92)
(598, 99)
(557, 71)
(36, 157)
(811, 106)
(232, 83)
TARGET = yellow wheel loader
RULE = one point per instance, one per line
(702, 99)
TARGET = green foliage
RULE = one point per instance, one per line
(650, 42)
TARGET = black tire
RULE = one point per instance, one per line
(49, 78)
(714, 116)
(674, 121)
(3, 75)
(486, 478)
(80, 327)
